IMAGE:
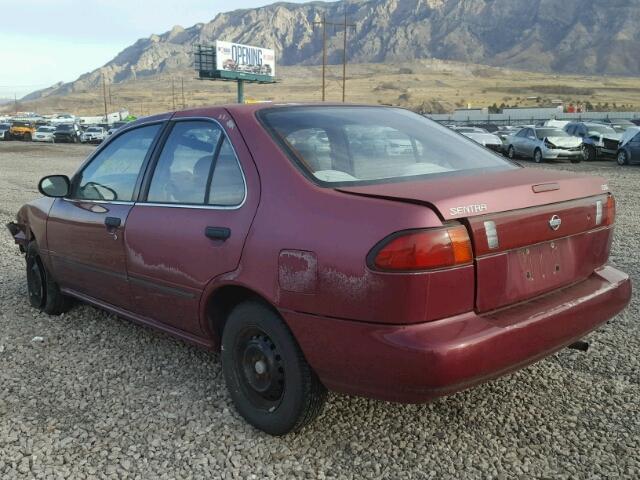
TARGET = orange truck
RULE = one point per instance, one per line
(22, 130)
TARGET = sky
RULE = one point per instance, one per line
(46, 41)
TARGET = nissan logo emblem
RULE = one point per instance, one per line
(555, 222)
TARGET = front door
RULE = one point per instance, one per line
(634, 149)
(192, 220)
(85, 232)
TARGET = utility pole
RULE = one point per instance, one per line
(104, 94)
(344, 25)
(344, 54)
(109, 90)
(15, 102)
(324, 50)
(173, 94)
(183, 104)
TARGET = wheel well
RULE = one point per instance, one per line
(223, 300)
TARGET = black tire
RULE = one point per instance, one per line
(27, 137)
(576, 159)
(271, 384)
(622, 158)
(44, 292)
(511, 152)
(537, 155)
(589, 153)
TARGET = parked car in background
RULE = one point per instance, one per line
(544, 143)
(44, 134)
(22, 130)
(400, 276)
(94, 135)
(557, 123)
(619, 125)
(5, 131)
(481, 136)
(504, 132)
(629, 150)
(598, 140)
(67, 133)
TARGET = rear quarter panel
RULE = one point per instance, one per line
(326, 236)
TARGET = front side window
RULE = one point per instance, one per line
(112, 174)
(356, 145)
(197, 166)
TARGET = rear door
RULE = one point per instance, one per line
(518, 141)
(85, 232)
(197, 204)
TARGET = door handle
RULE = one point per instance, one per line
(217, 233)
(112, 222)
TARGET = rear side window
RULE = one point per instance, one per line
(197, 166)
(112, 174)
(356, 145)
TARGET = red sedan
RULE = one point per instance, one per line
(365, 250)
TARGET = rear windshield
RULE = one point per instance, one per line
(358, 145)
(550, 132)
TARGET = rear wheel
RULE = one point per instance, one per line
(588, 153)
(622, 158)
(44, 292)
(576, 159)
(511, 152)
(27, 137)
(271, 384)
(537, 155)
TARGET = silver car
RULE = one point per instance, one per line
(481, 136)
(44, 134)
(544, 143)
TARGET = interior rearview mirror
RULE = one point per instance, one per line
(56, 186)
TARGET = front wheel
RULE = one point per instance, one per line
(44, 292)
(537, 155)
(511, 152)
(588, 153)
(270, 382)
(621, 158)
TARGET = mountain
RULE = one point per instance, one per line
(595, 37)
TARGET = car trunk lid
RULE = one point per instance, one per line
(533, 231)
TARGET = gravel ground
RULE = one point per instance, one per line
(100, 397)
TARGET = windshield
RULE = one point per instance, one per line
(355, 145)
(94, 129)
(64, 128)
(45, 129)
(550, 132)
(600, 129)
(4, 126)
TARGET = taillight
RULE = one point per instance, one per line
(606, 212)
(423, 249)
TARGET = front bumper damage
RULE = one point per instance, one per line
(19, 236)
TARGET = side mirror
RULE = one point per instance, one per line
(56, 186)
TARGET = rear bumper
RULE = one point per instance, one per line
(415, 363)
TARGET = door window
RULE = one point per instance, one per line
(113, 173)
(522, 133)
(186, 172)
(227, 184)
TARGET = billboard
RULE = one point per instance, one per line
(235, 57)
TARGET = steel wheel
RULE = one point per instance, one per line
(36, 283)
(261, 369)
(511, 153)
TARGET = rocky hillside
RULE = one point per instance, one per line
(577, 36)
